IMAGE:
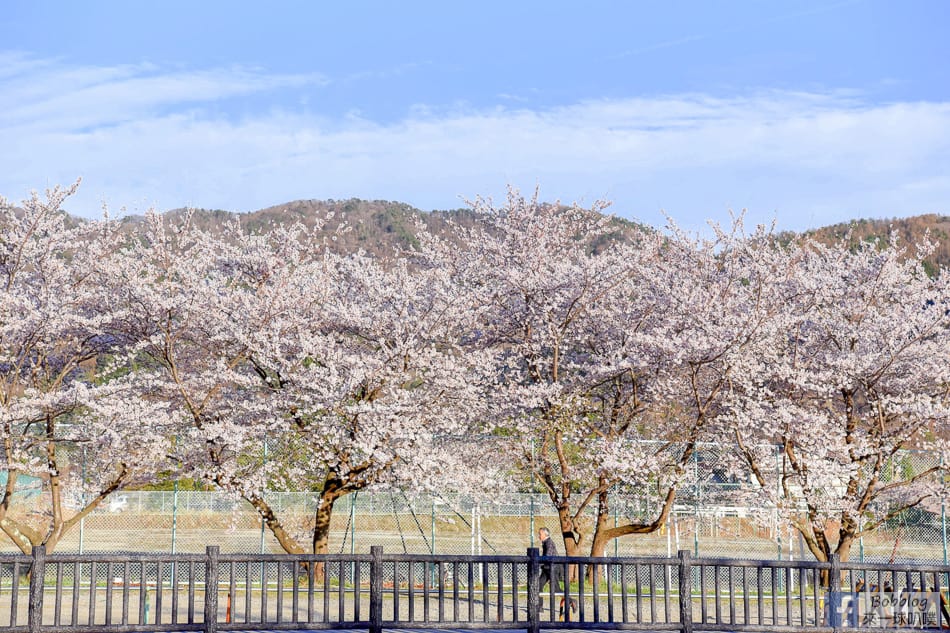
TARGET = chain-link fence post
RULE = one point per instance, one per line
(616, 549)
(82, 503)
(263, 524)
(943, 529)
(943, 521)
(353, 523)
(531, 515)
(174, 516)
(432, 546)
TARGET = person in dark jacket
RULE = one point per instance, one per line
(550, 573)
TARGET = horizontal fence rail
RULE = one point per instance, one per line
(235, 592)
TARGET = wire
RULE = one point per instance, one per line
(464, 520)
(349, 517)
(405, 550)
(418, 525)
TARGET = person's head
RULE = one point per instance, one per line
(544, 533)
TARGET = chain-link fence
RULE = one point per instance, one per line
(712, 518)
(189, 521)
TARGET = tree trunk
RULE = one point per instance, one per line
(844, 547)
(21, 540)
(571, 536)
(286, 541)
(604, 533)
(598, 546)
(321, 526)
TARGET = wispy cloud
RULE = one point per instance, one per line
(737, 28)
(42, 96)
(141, 136)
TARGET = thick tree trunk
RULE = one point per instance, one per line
(822, 549)
(321, 526)
(844, 548)
(604, 533)
(602, 537)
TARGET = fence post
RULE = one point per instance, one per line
(686, 591)
(376, 589)
(534, 590)
(211, 589)
(834, 593)
(37, 580)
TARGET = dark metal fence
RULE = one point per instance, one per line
(215, 592)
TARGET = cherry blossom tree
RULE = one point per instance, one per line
(348, 371)
(381, 386)
(692, 318)
(854, 379)
(69, 419)
(576, 323)
(192, 300)
(265, 361)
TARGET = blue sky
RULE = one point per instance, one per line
(807, 113)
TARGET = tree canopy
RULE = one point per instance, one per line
(526, 342)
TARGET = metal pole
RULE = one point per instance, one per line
(532, 466)
(353, 523)
(174, 524)
(616, 550)
(263, 524)
(478, 514)
(697, 501)
(82, 497)
(616, 540)
(791, 557)
(531, 515)
(174, 509)
(861, 543)
(669, 552)
(356, 580)
(174, 516)
(943, 524)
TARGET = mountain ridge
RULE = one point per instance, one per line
(380, 227)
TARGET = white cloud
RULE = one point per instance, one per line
(142, 135)
(51, 98)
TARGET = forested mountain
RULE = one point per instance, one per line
(907, 231)
(379, 227)
(382, 227)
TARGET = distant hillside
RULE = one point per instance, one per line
(379, 227)
(382, 228)
(909, 231)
